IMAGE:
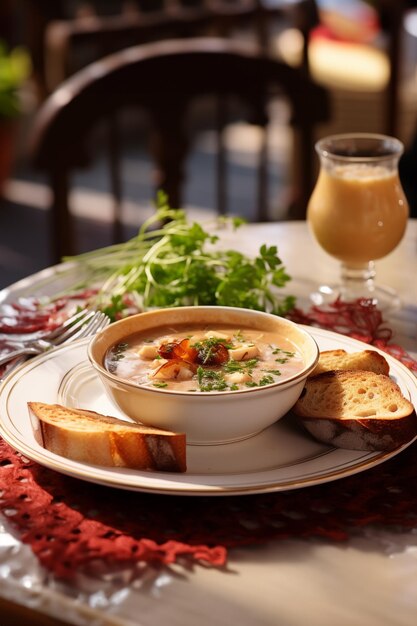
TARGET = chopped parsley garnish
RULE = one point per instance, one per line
(118, 351)
(266, 380)
(281, 351)
(240, 366)
(210, 342)
(286, 355)
(116, 354)
(209, 380)
(160, 385)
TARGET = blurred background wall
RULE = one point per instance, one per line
(364, 53)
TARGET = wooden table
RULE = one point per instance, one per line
(369, 579)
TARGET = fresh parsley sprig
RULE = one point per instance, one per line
(173, 262)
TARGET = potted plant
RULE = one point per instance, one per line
(14, 70)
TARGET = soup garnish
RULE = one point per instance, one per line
(195, 359)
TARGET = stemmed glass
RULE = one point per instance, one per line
(358, 212)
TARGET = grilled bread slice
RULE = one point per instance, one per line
(90, 437)
(331, 360)
(359, 410)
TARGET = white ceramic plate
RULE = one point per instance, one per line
(280, 458)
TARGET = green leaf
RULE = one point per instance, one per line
(15, 67)
(172, 262)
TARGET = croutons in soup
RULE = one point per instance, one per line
(212, 359)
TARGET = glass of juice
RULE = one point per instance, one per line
(358, 212)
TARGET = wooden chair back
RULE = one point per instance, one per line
(163, 79)
(69, 44)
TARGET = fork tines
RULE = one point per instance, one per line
(77, 318)
(82, 326)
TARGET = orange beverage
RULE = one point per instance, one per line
(358, 211)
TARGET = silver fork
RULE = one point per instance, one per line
(83, 326)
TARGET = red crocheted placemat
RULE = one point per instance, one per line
(71, 525)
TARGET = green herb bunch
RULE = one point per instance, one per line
(15, 67)
(173, 262)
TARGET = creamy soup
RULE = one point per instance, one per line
(216, 358)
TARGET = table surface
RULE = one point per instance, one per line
(370, 579)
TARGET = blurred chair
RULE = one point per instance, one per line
(62, 41)
(391, 14)
(164, 79)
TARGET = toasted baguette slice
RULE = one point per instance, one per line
(356, 409)
(370, 360)
(89, 437)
